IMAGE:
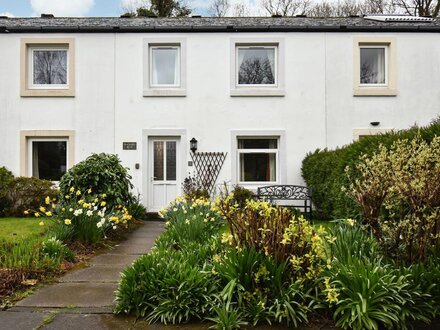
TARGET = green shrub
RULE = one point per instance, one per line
(54, 248)
(194, 189)
(28, 193)
(5, 178)
(241, 195)
(104, 174)
(136, 209)
(324, 170)
(398, 191)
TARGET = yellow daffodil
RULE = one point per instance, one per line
(47, 200)
(48, 214)
(72, 189)
(78, 193)
(67, 197)
(26, 212)
(42, 209)
(67, 221)
(41, 223)
(103, 203)
(89, 191)
(36, 214)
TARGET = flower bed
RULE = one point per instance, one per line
(237, 265)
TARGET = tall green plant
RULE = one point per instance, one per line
(104, 174)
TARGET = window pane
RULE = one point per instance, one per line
(165, 66)
(256, 66)
(49, 159)
(171, 160)
(158, 160)
(257, 167)
(50, 67)
(257, 144)
(372, 65)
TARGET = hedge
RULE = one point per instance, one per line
(324, 170)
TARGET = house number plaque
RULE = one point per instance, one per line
(129, 145)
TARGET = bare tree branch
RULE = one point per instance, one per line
(219, 8)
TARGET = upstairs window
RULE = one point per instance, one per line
(373, 65)
(164, 66)
(47, 67)
(258, 160)
(256, 65)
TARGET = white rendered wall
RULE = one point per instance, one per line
(318, 108)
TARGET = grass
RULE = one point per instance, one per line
(13, 229)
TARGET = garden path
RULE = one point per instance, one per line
(84, 298)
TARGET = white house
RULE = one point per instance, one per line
(263, 90)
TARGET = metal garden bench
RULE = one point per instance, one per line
(288, 193)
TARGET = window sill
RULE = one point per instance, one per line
(257, 92)
(48, 93)
(374, 92)
(164, 92)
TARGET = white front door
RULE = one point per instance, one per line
(164, 172)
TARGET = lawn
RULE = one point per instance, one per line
(12, 229)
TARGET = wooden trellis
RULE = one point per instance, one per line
(208, 166)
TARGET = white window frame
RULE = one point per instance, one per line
(274, 90)
(358, 132)
(150, 90)
(27, 88)
(386, 54)
(274, 47)
(258, 151)
(387, 89)
(151, 48)
(31, 51)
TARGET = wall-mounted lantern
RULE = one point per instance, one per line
(193, 145)
(375, 123)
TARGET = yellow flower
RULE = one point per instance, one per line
(48, 213)
(351, 222)
(89, 191)
(80, 201)
(26, 212)
(67, 221)
(53, 206)
(47, 200)
(96, 200)
(67, 197)
(63, 209)
(104, 195)
(78, 193)
(42, 209)
(72, 189)
(36, 214)
(103, 203)
(41, 223)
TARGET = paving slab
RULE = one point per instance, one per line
(96, 274)
(22, 320)
(72, 294)
(122, 260)
(129, 248)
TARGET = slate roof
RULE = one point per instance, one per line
(210, 24)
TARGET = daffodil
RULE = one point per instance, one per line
(47, 200)
(42, 209)
(72, 189)
(41, 223)
(67, 221)
(26, 212)
(103, 203)
(89, 191)
(36, 214)
(48, 214)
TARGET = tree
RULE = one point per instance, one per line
(420, 7)
(241, 10)
(286, 7)
(219, 8)
(159, 8)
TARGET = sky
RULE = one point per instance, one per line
(27, 8)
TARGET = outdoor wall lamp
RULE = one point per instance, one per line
(375, 123)
(193, 145)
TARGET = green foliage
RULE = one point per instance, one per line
(54, 248)
(6, 177)
(372, 295)
(28, 256)
(241, 195)
(324, 170)
(136, 209)
(227, 317)
(104, 174)
(28, 193)
(398, 191)
(162, 8)
(193, 188)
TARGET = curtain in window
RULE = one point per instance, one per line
(35, 160)
(165, 66)
(372, 66)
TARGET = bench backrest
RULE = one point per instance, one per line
(285, 192)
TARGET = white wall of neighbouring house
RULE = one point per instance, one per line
(317, 110)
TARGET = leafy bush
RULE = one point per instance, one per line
(398, 191)
(193, 188)
(241, 195)
(324, 170)
(82, 216)
(54, 248)
(272, 231)
(28, 193)
(5, 179)
(104, 174)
